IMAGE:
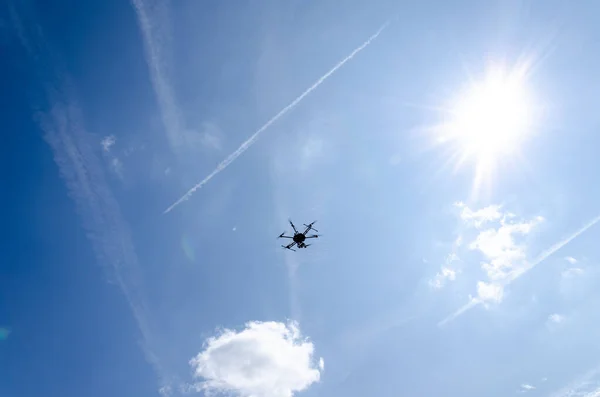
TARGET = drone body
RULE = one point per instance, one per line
(299, 238)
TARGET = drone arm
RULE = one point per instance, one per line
(312, 236)
(290, 245)
(285, 237)
(309, 227)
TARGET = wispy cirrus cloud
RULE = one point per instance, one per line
(82, 171)
(76, 154)
(265, 359)
(154, 22)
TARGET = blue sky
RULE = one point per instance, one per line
(448, 152)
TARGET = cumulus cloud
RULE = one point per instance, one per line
(503, 250)
(525, 387)
(556, 318)
(489, 292)
(497, 237)
(265, 359)
(479, 217)
(504, 255)
(499, 242)
(440, 278)
(107, 142)
(571, 260)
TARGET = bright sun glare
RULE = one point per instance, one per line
(490, 120)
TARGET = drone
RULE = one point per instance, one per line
(298, 238)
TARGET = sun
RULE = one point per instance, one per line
(490, 119)
(492, 116)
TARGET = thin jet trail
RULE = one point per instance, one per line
(233, 156)
(542, 257)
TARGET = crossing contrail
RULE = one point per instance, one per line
(244, 146)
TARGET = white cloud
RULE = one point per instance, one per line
(571, 260)
(505, 258)
(480, 217)
(489, 292)
(556, 318)
(107, 142)
(440, 278)
(165, 391)
(503, 250)
(447, 273)
(265, 359)
(572, 272)
(527, 387)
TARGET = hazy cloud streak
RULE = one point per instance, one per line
(152, 34)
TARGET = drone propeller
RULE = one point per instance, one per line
(310, 227)
(281, 235)
(292, 224)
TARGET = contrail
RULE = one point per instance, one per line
(542, 257)
(231, 158)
